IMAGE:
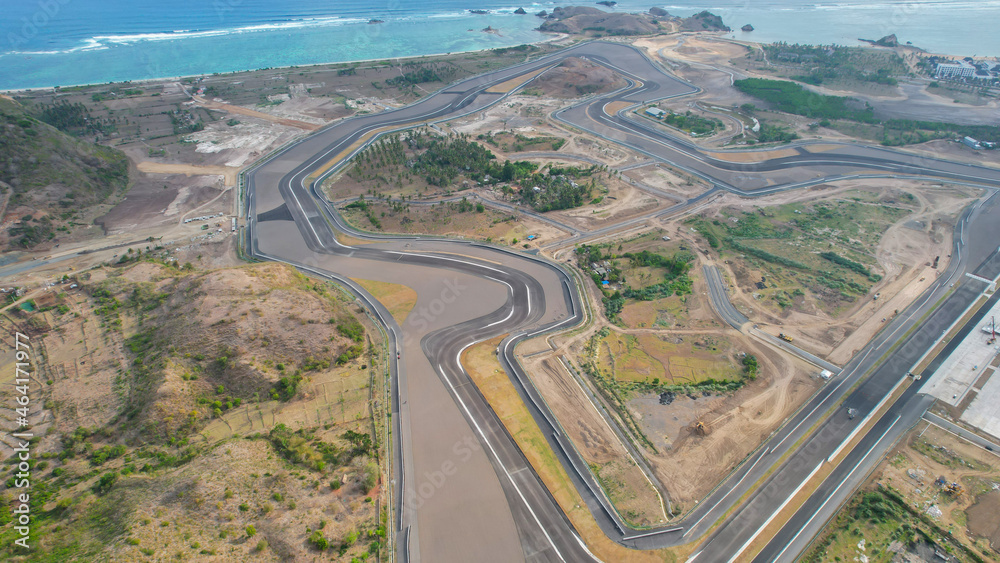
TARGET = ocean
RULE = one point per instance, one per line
(44, 43)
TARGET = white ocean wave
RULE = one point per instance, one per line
(99, 42)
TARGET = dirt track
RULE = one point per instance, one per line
(228, 172)
(258, 114)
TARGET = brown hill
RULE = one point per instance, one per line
(576, 77)
(591, 21)
(49, 178)
(158, 404)
(704, 21)
(254, 327)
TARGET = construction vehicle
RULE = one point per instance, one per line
(785, 337)
(699, 427)
(954, 489)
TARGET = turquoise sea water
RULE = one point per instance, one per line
(62, 42)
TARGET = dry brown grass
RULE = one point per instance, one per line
(206, 336)
(397, 298)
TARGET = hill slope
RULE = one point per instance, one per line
(587, 20)
(218, 414)
(48, 178)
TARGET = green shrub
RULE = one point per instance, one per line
(352, 329)
(318, 541)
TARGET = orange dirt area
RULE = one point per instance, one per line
(513, 83)
(615, 107)
(258, 114)
(228, 172)
(481, 364)
(753, 156)
(343, 154)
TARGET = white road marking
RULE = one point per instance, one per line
(829, 498)
(775, 514)
(497, 456)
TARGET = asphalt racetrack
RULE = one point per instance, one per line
(463, 490)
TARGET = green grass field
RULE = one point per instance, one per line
(875, 525)
(649, 358)
(826, 248)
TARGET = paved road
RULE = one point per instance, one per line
(956, 429)
(851, 473)
(460, 503)
(719, 298)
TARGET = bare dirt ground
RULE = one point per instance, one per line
(239, 110)
(691, 463)
(671, 182)
(576, 77)
(686, 462)
(928, 453)
(527, 115)
(622, 202)
(596, 441)
(227, 172)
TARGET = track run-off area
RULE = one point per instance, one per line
(462, 489)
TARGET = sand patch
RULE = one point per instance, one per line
(615, 107)
(229, 173)
(258, 114)
(753, 156)
(397, 298)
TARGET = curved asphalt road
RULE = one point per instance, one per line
(466, 514)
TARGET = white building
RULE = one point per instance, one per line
(961, 69)
(655, 112)
(971, 143)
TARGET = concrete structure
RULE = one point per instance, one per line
(961, 69)
(971, 143)
(961, 372)
(655, 112)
